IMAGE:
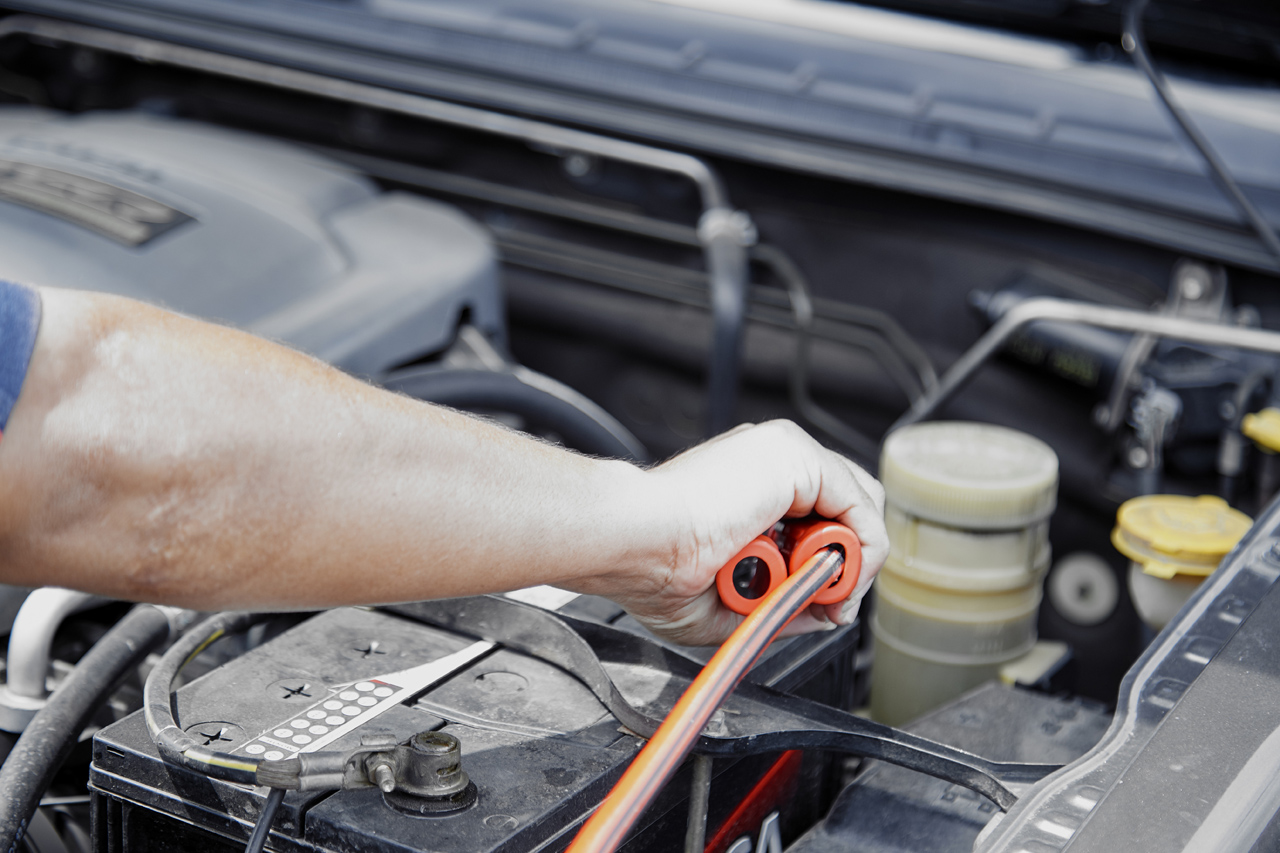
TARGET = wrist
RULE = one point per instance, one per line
(635, 538)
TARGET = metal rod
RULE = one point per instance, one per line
(695, 836)
(1082, 313)
(725, 234)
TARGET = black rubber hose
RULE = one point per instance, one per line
(55, 730)
(860, 445)
(727, 274)
(540, 399)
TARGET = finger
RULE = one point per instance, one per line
(869, 484)
(866, 519)
(845, 612)
(806, 623)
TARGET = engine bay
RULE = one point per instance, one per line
(624, 229)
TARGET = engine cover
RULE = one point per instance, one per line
(240, 229)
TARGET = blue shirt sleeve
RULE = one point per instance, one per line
(19, 321)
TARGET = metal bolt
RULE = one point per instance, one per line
(384, 776)
(1138, 457)
(1195, 282)
(578, 165)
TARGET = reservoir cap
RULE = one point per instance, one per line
(1176, 535)
(978, 476)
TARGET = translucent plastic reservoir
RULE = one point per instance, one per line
(967, 511)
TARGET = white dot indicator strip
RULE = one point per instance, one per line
(346, 707)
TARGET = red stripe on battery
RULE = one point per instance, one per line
(777, 783)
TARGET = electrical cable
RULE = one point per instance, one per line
(262, 828)
(906, 349)
(767, 305)
(1134, 43)
(55, 729)
(178, 747)
(605, 830)
(852, 439)
(904, 346)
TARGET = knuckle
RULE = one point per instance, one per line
(781, 425)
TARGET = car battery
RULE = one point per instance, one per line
(538, 746)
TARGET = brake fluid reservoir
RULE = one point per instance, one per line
(967, 510)
(1173, 543)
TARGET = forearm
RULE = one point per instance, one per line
(141, 438)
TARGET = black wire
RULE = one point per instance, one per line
(263, 827)
(904, 351)
(802, 309)
(688, 287)
(903, 346)
(538, 398)
(174, 744)
(1135, 44)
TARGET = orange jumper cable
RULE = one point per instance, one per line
(657, 762)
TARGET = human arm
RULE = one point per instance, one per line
(155, 457)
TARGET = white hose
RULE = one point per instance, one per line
(31, 641)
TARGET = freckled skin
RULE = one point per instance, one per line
(153, 457)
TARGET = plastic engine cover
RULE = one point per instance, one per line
(240, 229)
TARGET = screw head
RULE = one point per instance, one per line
(579, 165)
(1195, 282)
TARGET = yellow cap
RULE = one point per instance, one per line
(1264, 428)
(977, 476)
(1175, 535)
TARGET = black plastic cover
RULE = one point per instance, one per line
(893, 810)
(1192, 759)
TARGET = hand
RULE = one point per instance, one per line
(724, 493)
